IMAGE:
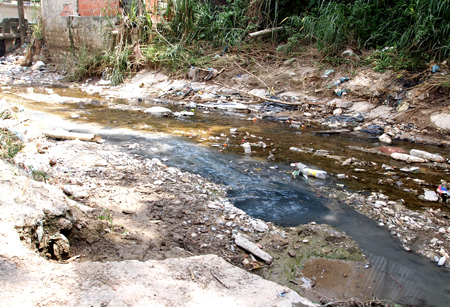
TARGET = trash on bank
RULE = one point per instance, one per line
(327, 73)
(385, 138)
(434, 69)
(341, 80)
(212, 73)
(306, 171)
(426, 155)
(430, 196)
(406, 158)
(340, 93)
(247, 148)
(442, 190)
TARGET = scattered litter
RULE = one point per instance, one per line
(442, 190)
(341, 80)
(339, 93)
(327, 73)
(412, 169)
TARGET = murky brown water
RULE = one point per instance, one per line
(278, 138)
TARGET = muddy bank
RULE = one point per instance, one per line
(63, 234)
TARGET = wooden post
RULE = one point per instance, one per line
(21, 21)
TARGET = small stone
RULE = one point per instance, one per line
(379, 204)
(347, 162)
(128, 211)
(305, 241)
(403, 106)
(385, 138)
(291, 254)
(326, 250)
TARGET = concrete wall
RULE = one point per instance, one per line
(9, 10)
(65, 28)
(76, 23)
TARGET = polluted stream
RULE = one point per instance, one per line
(261, 183)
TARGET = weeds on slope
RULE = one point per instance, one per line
(10, 142)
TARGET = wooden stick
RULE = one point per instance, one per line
(64, 135)
(26, 185)
(268, 88)
(73, 258)
(192, 274)
(266, 31)
(219, 280)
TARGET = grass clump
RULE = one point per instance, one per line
(10, 142)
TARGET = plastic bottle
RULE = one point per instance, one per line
(305, 170)
(314, 173)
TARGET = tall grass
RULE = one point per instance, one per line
(412, 26)
(173, 42)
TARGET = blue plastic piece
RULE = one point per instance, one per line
(339, 94)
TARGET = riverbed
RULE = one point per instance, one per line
(261, 184)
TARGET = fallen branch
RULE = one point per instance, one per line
(268, 88)
(264, 32)
(219, 280)
(192, 274)
(64, 135)
(252, 248)
(73, 258)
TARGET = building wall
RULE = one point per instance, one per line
(71, 24)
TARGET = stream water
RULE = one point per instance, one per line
(264, 189)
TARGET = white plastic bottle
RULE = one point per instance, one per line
(314, 173)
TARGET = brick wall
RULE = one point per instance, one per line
(88, 8)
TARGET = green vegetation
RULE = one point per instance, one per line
(10, 143)
(413, 27)
(416, 31)
(106, 215)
